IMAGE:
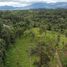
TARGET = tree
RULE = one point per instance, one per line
(8, 34)
(44, 53)
(2, 52)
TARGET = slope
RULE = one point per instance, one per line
(18, 55)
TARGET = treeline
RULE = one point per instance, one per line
(14, 23)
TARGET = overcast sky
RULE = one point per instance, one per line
(23, 3)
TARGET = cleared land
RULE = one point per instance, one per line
(18, 55)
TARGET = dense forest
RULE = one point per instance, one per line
(39, 36)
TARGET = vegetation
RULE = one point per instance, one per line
(33, 38)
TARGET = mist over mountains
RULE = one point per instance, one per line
(37, 5)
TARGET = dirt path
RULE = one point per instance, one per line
(58, 60)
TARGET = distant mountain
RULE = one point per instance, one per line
(37, 6)
(7, 8)
(48, 5)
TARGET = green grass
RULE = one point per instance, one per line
(18, 55)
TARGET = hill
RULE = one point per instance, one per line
(18, 55)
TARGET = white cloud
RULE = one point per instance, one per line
(15, 4)
(18, 3)
(33, 0)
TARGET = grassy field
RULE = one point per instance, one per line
(18, 55)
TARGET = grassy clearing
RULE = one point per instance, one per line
(18, 55)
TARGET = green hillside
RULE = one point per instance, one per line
(33, 38)
(18, 55)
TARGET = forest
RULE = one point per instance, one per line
(33, 38)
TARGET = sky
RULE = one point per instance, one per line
(22, 3)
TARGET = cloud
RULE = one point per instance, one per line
(14, 4)
(22, 3)
(33, 1)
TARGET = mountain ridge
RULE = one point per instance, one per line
(37, 5)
